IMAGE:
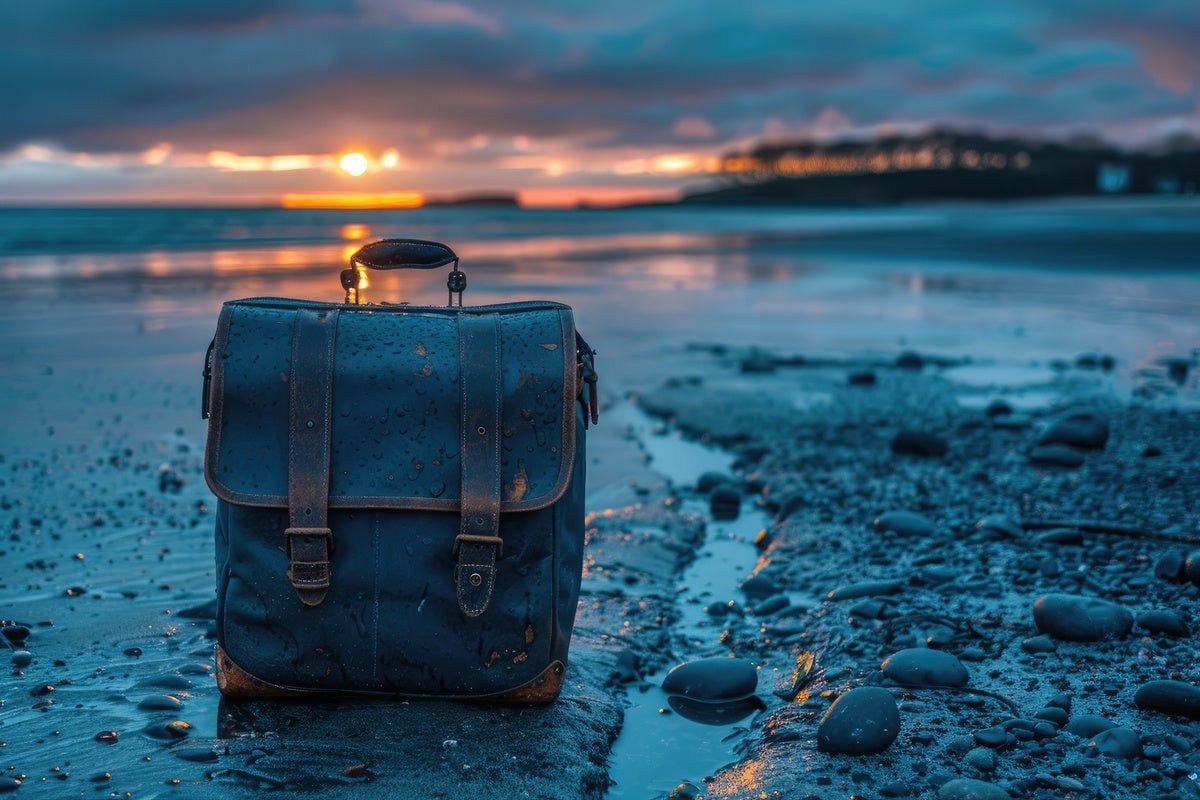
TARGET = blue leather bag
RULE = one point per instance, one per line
(400, 491)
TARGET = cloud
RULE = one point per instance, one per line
(583, 82)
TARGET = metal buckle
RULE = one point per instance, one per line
(494, 541)
(290, 532)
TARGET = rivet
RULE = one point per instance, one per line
(310, 424)
(481, 430)
(475, 579)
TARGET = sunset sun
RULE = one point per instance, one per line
(353, 164)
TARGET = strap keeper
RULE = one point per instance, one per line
(466, 538)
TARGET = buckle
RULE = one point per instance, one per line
(493, 541)
(290, 532)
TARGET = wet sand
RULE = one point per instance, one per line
(106, 559)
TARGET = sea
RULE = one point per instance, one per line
(1012, 292)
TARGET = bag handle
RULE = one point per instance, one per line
(402, 254)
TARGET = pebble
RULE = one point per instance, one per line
(1000, 526)
(1039, 644)
(9, 784)
(970, 789)
(1053, 714)
(1075, 618)
(1175, 698)
(981, 758)
(163, 702)
(1056, 455)
(771, 605)
(910, 360)
(1086, 726)
(1191, 568)
(17, 634)
(1165, 621)
(1118, 742)
(711, 480)
(864, 378)
(905, 523)
(920, 666)
(759, 587)
(864, 720)
(1061, 536)
(725, 502)
(991, 737)
(1170, 567)
(685, 791)
(22, 658)
(998, 408)
(1085, 429)
(712, 680)
(919, 443)
(865, 589)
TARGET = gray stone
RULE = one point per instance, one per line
(1086, 726)
(1164, 621)
(1175, 698)
(1119, 743)
(712, 680)
(1056, 455)
(1084, 428)
(919, 666)
(860, 722)
(1075, 618)
(905, 523)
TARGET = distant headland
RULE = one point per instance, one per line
(947, 165)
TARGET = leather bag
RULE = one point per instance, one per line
(400, 491)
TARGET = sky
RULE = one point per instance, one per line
(215, 101)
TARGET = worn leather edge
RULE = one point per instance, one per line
(235, 682)
(229, 495)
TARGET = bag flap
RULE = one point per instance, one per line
(396, 407)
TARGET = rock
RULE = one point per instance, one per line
(995, 736)
(865, 589)
(1061, 536)
(9, 784)
(772, 604)
(910, 360)
(1086, 726)
(864, 720)
(711, 480)
(920, 666)
(22, 658)
(1053, 714)
(725, 502)
(17, 634)
(163, 702)
(685, 791)
(1084, 429)
(919, 443)
(1164, 621)
(970, 789)
(1056, 455)
(1000, 526)
(712, 680)
(759, 587)
(998, 408)
(905, 523)
(1191, 568)
(1174, 698)
(864, 378)
(1118, 742)
(1039, 644)
(1075, 618)
(981, 758)
(1170, 567)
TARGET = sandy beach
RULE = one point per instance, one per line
(956, 505)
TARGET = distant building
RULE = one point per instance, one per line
(1112, 178)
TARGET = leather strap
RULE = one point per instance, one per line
(478, 545)
(308, 537)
